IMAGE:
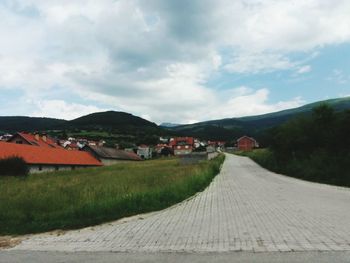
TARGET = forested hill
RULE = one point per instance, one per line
(114, 122)
(22, 123)
(96, 121)
(229, 128)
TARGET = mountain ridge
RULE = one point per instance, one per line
(128, 124)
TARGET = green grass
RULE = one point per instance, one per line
(74, 199)
(263, 157)
(319, 167)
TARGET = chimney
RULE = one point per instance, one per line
(36, 136)
(44, 136)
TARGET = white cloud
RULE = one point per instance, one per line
(257, 63)
(338, 76)
(154, 58)
(304, 69)
(62, 110)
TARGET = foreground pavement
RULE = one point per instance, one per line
(224, 257)
(246, 208)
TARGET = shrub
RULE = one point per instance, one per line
(13, 166)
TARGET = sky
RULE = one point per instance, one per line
(171, 61)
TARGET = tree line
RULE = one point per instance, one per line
(315, 147)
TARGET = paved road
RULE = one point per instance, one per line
(246, 208)
(224, 257)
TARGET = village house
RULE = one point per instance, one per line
(36, 139)
(182, 145)
(159, 147)
(5, 137)
(44, 159)
(144, 151)
(246, 143)
(109, 156)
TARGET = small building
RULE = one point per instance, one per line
(109, 156)
(44, 159)
(182, 145)
(246, 143)
(159, 147)
(36, 139)
(5, 137)
(144, 151)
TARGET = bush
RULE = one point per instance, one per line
(13, 166)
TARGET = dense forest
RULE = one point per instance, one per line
(314, 147)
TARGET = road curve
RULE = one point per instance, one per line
(245, 208)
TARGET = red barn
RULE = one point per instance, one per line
(246, 143)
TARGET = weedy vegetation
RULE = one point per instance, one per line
(314, 147)
(86, 197)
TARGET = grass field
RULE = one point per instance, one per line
(74, 199)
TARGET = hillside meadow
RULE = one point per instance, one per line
(85, 197)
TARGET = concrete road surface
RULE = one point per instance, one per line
(246, 208)
(177, 257)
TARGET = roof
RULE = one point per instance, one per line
(45, 155)
(182, 141)
(246, 137)
(30, 138)
(112, 153)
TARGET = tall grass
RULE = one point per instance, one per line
(319, 167)
(74, 199)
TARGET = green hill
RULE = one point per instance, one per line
(21, 123)
(230, 128)
(119, 127)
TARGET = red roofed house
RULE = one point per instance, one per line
(43, 159)
(182, 145)
(246, 143)
(34, 139)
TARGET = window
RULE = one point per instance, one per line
(19, 142)
(40, 167)
(56, 168)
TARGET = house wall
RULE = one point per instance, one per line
(145, 153)
(246, 144)
(108, 162)
(35, 168)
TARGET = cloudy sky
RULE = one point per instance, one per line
(171, 61)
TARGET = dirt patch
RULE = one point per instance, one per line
(8, 242)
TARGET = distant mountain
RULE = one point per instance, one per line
(229, 128)
(169, 125)
(120, 126)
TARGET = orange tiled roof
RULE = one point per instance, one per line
(44, 155)
(30, 138)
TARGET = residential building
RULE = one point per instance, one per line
(144, 151)
(246, 143)
(182, 145)
(36, 139)
(5, 137)
(109, 156)
(44, 159)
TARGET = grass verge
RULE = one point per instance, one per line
(80, 198)
(319, 167)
